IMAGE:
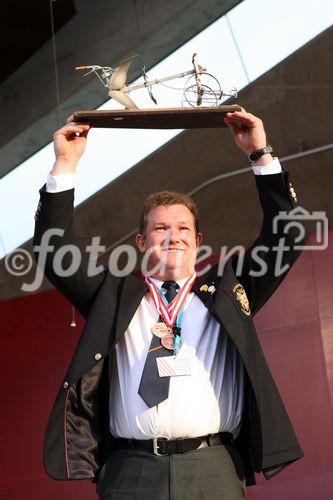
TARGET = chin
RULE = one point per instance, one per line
(172, 265)
(169, 266)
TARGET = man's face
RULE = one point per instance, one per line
(170, 242)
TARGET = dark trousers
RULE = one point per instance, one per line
(214, 473)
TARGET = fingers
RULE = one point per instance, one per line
(72, 129)
(70, 121)
(232, 126)
(242, 118)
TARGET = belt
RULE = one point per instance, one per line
(164, 446)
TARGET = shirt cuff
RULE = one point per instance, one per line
(60, 182)
(273, 167)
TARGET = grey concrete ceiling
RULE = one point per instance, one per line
(294, 99)
(89, 32)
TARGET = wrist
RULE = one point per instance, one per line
(260, 153)
(64, 167)
(265, 159)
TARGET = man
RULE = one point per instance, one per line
(168, 395)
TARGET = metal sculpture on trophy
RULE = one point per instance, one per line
(201, 99)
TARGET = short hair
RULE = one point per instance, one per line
(167, 198)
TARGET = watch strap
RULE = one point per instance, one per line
(258, 153)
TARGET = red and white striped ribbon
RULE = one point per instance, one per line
(170, 312)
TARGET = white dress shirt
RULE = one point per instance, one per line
(207, 401)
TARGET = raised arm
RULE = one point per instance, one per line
(266, 263)
(54, 232)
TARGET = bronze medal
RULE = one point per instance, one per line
(160, 329)
(167, 341)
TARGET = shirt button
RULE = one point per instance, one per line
(65, 385)
(98, 356)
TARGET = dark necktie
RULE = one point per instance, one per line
(154, 389)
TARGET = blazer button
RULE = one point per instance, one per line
(98, 356)
(65, 385)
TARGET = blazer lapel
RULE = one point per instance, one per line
(131, 295)
(205, 288)
(216, 295)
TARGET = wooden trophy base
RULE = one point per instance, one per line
(167, 118)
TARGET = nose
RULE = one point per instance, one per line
(173, 235)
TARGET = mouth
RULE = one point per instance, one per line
(173, 250)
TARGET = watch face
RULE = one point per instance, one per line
(254, 156)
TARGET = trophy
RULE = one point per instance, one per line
(200, 100)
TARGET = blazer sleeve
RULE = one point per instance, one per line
(266, 263)
(53, 233)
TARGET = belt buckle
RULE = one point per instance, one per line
(156, 447)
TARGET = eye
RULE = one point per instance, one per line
(159, 228)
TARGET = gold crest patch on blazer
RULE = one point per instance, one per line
(241, 296)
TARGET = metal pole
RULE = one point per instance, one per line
(159, 80)
(218, 178)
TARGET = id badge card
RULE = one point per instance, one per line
(172, 366)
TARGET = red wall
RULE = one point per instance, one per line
(296, 331)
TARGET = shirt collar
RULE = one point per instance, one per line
(159, 283)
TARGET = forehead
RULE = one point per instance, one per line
(170, 214)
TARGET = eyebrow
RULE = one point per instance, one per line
(178, 222)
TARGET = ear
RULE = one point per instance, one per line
(140, 242)
(198, 239)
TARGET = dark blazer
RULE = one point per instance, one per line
(77, 439)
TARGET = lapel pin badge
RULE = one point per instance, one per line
(205, 288)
